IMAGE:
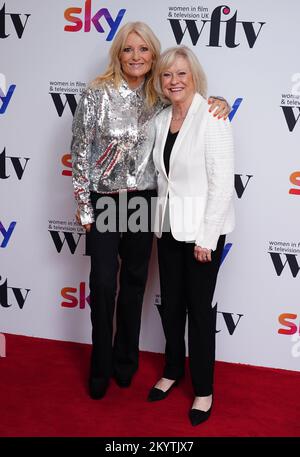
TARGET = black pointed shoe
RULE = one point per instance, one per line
(197, 416)
(98, 387)
(156, 394)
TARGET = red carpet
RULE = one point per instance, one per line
(43, 393)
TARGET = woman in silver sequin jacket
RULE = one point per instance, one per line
(113, 137)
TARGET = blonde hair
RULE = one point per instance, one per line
(114, 71)
(167, 59)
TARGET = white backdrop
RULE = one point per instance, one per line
(250, 53)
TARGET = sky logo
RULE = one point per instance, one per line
(73, 15)
(5, 96)
(66, 161)
(234, 109)
(226, 249)
(289, 324)
(6, 233)
(295, 180)
(75, 297)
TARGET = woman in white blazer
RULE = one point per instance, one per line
(193, 155)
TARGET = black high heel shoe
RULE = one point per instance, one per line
(156, 394)
(197, 416)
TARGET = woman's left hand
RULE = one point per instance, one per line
(221, 107)
(202, 254)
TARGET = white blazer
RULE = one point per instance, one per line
(200, 184)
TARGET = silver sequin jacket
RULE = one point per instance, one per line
(113, 137)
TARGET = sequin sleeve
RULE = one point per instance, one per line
(83, 130)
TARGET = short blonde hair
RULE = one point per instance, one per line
(114, 71)
(167, 59)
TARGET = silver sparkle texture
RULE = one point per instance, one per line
(113, 137)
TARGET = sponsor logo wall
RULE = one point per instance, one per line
(248, 53)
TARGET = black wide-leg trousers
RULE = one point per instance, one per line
(187, 288)
(134, 250)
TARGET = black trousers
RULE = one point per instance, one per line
(187, 288)
(134, 250)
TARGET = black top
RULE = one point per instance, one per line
(168, 149)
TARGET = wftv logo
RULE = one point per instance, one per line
(73, 15)
(5, 96)
(64, 93)
(60, 105)
(295, 180)
(68, 233)
(15, 19)
(240, 184)
(6, 233)
(16, 163)
(291, 115)
(75, 297)
(14, 292)
(214, 26)
(290, 103)
(284, 253)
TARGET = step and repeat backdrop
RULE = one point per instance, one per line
(250, 51)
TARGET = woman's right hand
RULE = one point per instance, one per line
(87, 227)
